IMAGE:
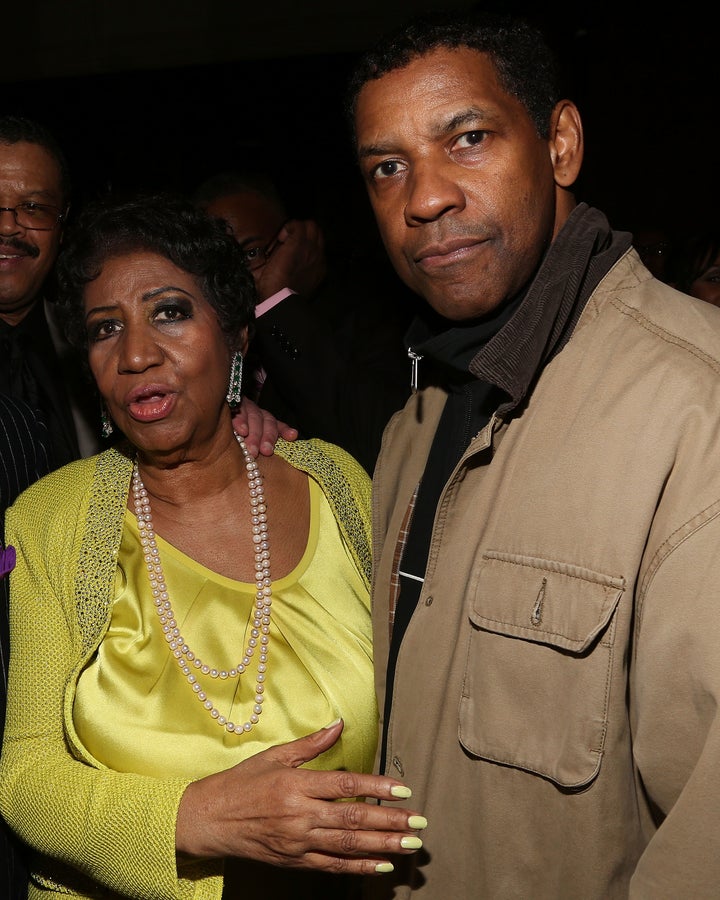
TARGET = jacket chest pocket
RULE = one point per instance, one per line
(536, 687)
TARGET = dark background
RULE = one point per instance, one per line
(164, 94)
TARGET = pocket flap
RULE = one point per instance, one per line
(544, 600)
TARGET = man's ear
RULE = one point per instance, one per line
(566, 143)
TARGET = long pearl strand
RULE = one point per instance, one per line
(191, 664)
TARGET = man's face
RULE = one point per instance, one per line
(253, 220)
(28, 173)
(461, 185)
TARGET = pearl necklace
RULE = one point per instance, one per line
(190, 663)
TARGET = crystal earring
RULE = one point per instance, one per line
(234, 394)
(106, 425)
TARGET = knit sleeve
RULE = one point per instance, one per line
(347, 487)
(84, 820)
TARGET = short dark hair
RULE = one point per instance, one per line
(171, 226)
(14, 129)
(224, 184)
(524, 62)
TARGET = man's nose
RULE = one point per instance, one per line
(433, 192)
(8, 223)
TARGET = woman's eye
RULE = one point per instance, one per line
(100, 330)
(171, 313)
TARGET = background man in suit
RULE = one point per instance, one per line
(328, 345)
(36, 366)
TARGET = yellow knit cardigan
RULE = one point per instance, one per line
(100, 832)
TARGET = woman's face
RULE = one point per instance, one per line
(158, 354)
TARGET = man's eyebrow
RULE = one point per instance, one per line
(367, 150)
(45, 193)
(473, 115)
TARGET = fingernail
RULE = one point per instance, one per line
(411, 843)
(384, 867)
(399, 790)
(332, 724)
(417, 822)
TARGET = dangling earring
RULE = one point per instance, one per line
(106, 424)
(234, 394)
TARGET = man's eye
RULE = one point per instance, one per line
(252, 253)
(470, 139)
(386, 169)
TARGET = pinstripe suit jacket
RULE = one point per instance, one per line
(23, 459)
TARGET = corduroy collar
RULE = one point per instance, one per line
(508, 349)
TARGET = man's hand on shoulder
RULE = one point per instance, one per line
(260, 429)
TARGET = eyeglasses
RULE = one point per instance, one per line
(257, 255)
(35, 216)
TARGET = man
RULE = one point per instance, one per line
(328, 343)
(547, 506)
(36, 365)
(47, 412)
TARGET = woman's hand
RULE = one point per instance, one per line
(260, 429)
(268, 809)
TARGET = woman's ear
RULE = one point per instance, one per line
(243, 342)
(566, 143)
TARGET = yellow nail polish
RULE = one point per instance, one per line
(399, 790)
(419, 822)
(384, 867)
(411, 843)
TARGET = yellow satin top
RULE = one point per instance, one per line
(134, 710)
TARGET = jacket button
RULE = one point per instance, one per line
(398, 765)
(428, 601)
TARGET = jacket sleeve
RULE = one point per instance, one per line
(675, 698)
(115, 827)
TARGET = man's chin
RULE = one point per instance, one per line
(16, 298)
(460, 304)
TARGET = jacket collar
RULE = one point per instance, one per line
(508, 348)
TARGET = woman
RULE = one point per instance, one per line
(180, 612)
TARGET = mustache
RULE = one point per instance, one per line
(23, 246)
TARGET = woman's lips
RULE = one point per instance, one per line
(150, 404)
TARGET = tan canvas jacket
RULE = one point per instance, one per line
(556, 695)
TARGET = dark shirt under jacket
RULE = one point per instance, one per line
(336, 367)
(31, 371)
(23, 459)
